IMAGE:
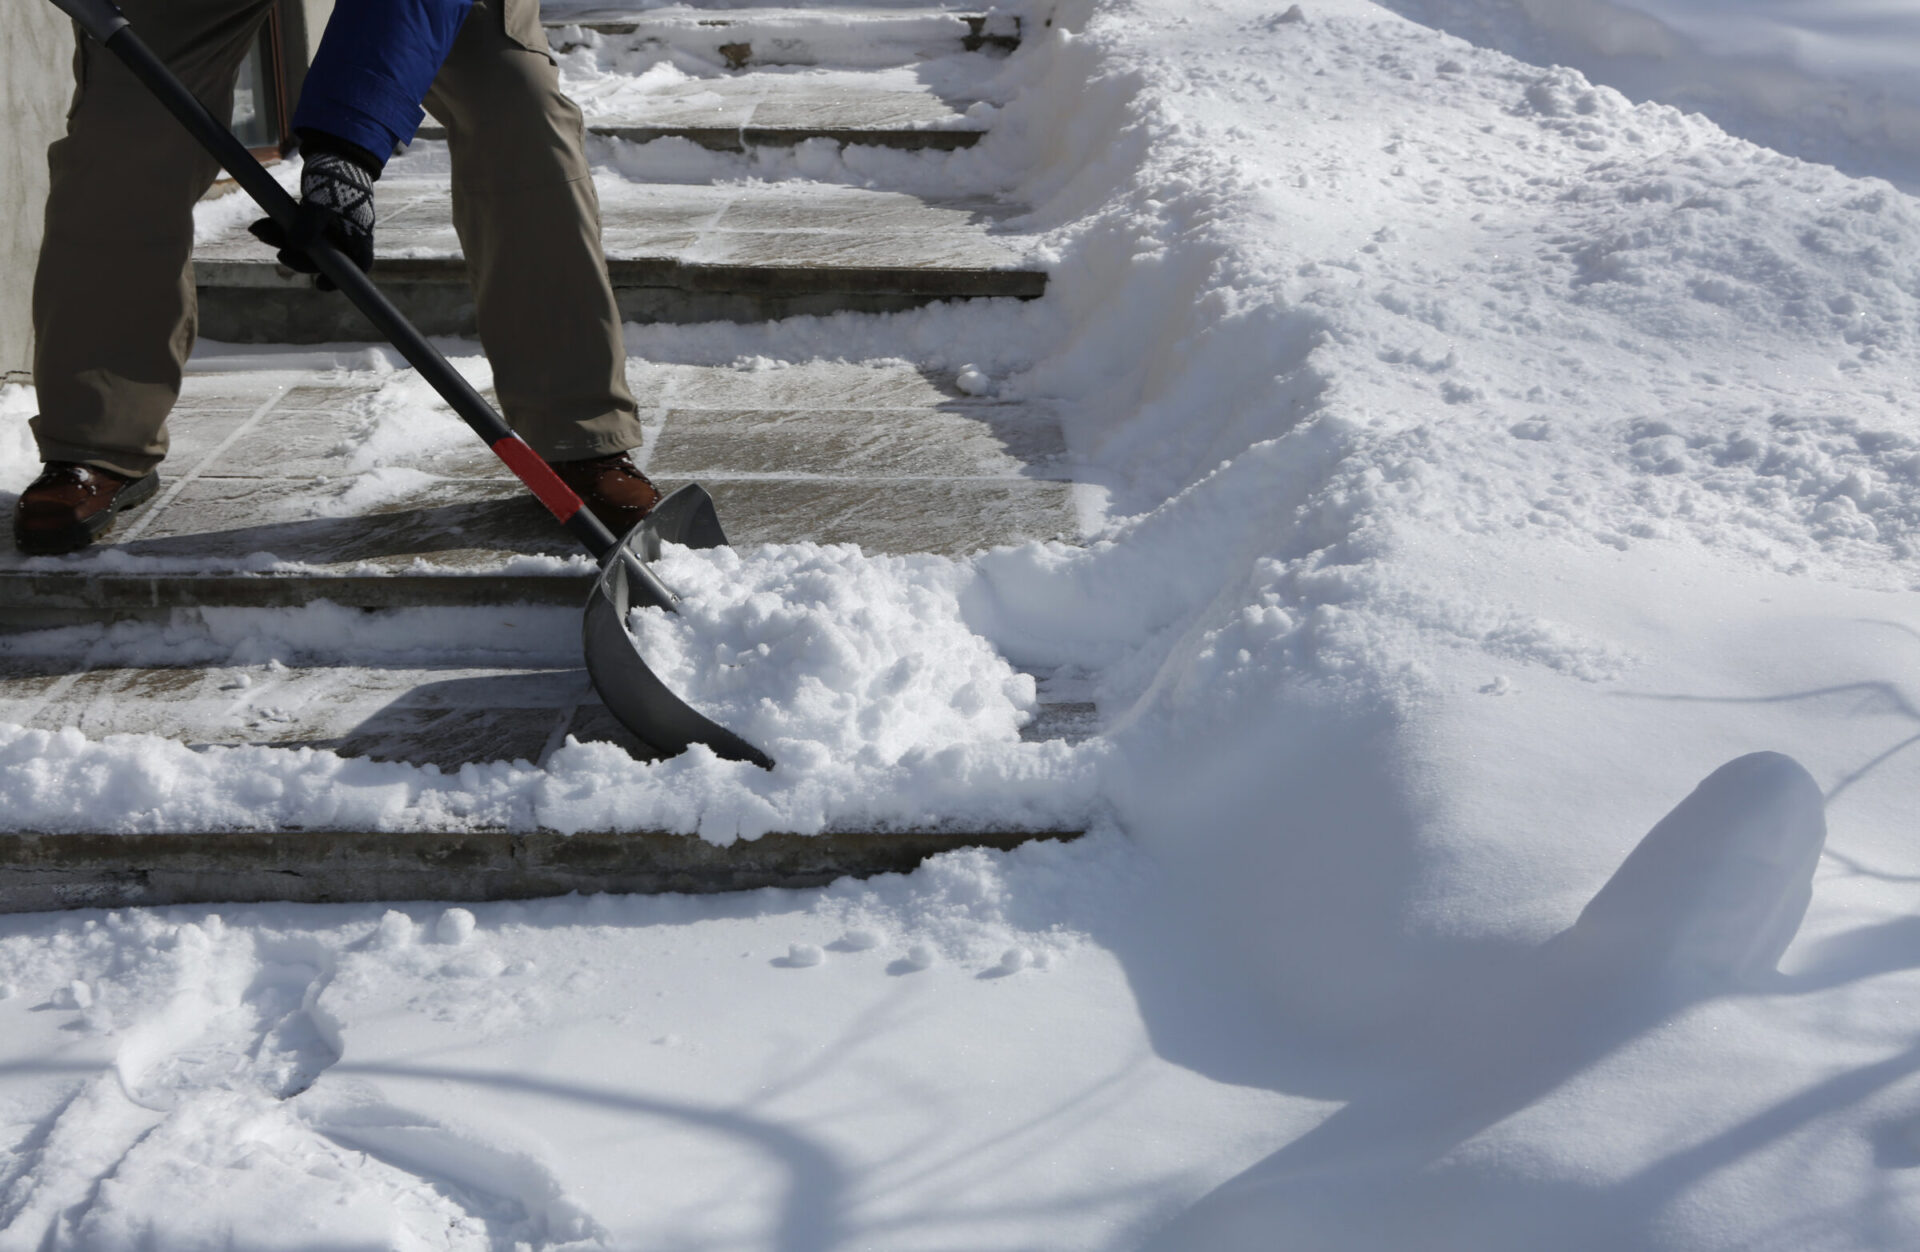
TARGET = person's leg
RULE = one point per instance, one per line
(113, 297)
(529, 223)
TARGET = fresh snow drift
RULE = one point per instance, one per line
(1502, 619)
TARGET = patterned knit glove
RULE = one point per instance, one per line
(336, 203)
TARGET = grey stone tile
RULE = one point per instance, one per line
(442, 716)
(809, 385)
(897, 516)
(702, 102)
(237, 523)
(801, 104)
(809, 206)
(193, 432)
(901, 251)
(981, 442)
(317, 448)
(239, 392)
(660, 209)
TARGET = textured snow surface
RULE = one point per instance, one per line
(776, 1070)
(1825, 80)
(1502, 623)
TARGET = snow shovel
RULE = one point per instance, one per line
(632, 692)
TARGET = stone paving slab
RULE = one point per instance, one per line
(735, 113)
(675, 253)
(264, 505)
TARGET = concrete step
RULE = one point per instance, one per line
(735, 113)
(676, 253)
(851, 36)
(446, 714)
(40, 872)
(271, 497)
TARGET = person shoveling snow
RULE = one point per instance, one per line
(375, 66)
(119, 220)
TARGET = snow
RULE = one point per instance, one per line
(1501, 621)
(831, 659)
(631, 1072)
(1826, 80)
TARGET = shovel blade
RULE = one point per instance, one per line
(632, 692)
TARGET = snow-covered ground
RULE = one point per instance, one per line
(1824, 80)
(1496, 471)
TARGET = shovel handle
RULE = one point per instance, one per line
(106, 24)
(98, 18)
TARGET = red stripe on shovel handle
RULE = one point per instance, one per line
(538, 476)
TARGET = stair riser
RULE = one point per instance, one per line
(259, 303)
(47, 872)
(35, 601)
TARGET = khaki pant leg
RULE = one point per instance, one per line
(529, 223)
(113, 297)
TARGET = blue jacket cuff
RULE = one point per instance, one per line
(377, 116)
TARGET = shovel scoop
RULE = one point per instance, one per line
(632, 692)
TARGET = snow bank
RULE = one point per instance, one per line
(1830, 81)
(1495, 460)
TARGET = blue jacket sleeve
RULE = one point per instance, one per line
(375, 64)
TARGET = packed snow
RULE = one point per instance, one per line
(1499, 620)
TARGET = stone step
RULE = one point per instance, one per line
(41, 872)
(750, 36)
(271, 496)
(735, 113)
(676, 253)
(447, 714)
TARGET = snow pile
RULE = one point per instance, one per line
(822, 655)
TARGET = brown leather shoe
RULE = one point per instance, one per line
(71, 505)
(617, 493)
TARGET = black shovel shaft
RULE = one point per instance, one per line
(105, 23)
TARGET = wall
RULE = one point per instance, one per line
(36, 84)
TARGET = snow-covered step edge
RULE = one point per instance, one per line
(46, 872)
